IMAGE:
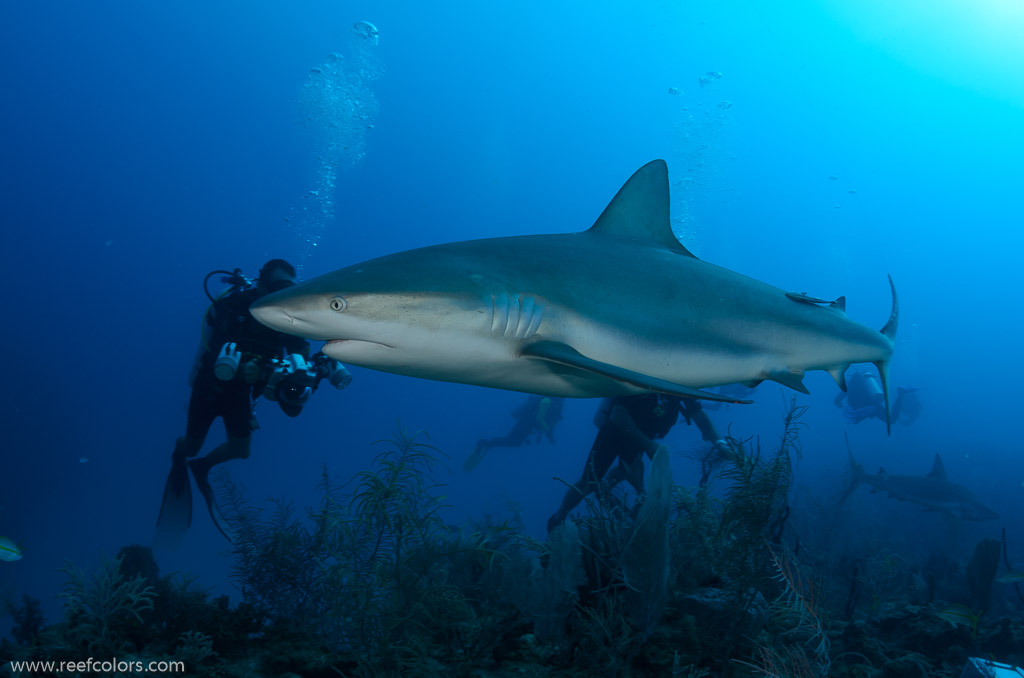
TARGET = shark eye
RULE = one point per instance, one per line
(338, 304)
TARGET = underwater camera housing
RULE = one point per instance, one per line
(977, 667)
(293, 379)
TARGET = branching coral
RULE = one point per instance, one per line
(645, 562)
(28, 619)
(100, 607)
(376, 573)
(555, 593)
(194, 647)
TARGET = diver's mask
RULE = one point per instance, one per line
(276, 286)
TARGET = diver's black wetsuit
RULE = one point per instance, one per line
(650, 417)
(654, 415)
(230, 320)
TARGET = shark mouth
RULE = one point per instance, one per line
(339, 342)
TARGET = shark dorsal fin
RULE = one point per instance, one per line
(938, 471)
(639, 211)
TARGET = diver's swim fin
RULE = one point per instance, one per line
(175, 509)
(478, 455)
(201, 475)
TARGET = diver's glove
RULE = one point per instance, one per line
(251, 372)
(723, 447)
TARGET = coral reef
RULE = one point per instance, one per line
(28, 619)
(981, 572)
(103, 611)
(683, 581)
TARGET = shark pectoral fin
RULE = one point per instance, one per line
(753, 383)
(794, 380)
(839, 374)
(564, 354)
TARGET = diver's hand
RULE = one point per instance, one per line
(657, 447)
(250, 372)
(851, 416)
(722, 447)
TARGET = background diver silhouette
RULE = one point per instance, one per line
(238, 360)
(629, 427)
(537, 415)
(864, 399)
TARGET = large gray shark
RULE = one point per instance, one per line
(619, 309)
(932, 491)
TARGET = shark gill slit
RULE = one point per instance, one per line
(537, 314)
(525, 316)
(499, 312)
(513, 316)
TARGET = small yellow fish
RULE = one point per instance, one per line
(1011, 578)
(9, 551)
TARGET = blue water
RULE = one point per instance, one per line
(146, 144)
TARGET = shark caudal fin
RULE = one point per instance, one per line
(883, 365)
(856, 471)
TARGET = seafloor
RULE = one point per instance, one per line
(711, 580)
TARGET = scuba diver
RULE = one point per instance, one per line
(238, 360)
(629, 427)
(865, 399)
(863, 395)
(538, 415)
(907, 407)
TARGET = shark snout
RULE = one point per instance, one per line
(980, 512)
(291, 317)
(273, 316)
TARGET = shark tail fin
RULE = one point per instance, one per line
(894, 315)
(883, 373)
(856, 470)
(883, 365)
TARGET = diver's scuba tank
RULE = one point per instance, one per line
(227, 362)
(237, 282)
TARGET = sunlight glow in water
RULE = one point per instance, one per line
(976, 44)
